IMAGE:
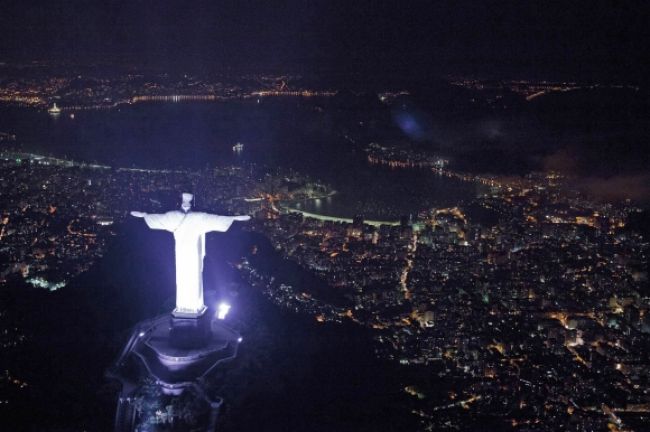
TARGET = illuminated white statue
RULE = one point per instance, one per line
(189, 230)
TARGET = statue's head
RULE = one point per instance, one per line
(186, 205)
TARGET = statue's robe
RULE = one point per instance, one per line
(189, 231)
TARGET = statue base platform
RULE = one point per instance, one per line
(176, 313)
(173, 354)
(176, 351)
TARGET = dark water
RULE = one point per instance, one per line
(288, 133)
(385, 194)
(167, 135)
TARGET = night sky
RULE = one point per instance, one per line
(600, 40)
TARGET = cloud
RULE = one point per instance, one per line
(611, 188)
(635, 187)
(562, 160)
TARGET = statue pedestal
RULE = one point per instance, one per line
(182, 314)
(174, 355)
(177, 350)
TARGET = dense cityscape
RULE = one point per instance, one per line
(74, 90)
(530, 299)
(548, 294)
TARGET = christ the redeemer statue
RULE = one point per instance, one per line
(189, 230)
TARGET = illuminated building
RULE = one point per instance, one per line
(54, 110)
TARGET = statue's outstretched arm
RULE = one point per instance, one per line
(166, 221)
(211, 222)
(241, 218)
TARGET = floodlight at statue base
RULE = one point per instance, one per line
(184, 313)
